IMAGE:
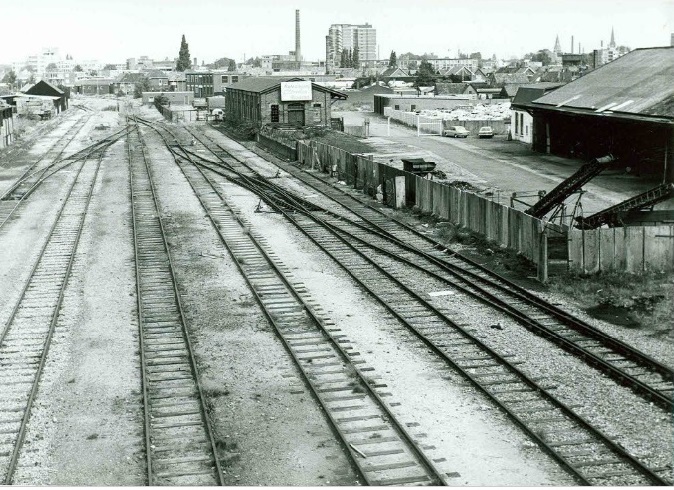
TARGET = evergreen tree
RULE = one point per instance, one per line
(425, 75)
(355, 61)
(392, 61)
(231, 66)
(183, 56)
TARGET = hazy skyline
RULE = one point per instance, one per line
(114, 31)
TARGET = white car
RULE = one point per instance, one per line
(485, 132)
(456, 132)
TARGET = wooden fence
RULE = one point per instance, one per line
(630, 249)
(501, 224)
(634, 249)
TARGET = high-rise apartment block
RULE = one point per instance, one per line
(350, 38)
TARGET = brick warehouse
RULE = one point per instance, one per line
(274, 100)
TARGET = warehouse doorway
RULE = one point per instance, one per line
(296, 114)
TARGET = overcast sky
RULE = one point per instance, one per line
(112, 31)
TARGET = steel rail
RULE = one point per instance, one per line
(27, 174)
(438, 477)
(646, 471)
(54, 317)
(190, 351)
(662, 398)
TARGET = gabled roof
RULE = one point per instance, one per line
(639, 82)
(503, 78)
(530, 92)
(267, 84)
(156, 74)
(394, 72)
(44, 88)
(130, 77)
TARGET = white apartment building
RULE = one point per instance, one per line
(349, 37)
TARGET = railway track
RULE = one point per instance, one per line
(10, 207)
(25, 338)
(380, 446)
(565, 435)
(625, 364)
(180, 446)
(37, 170)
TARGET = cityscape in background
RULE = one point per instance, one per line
(351, 52)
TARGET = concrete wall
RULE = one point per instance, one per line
(633, 249)
(499, 126)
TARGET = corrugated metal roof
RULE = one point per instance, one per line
(639, 82)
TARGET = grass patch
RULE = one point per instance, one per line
(636, 301)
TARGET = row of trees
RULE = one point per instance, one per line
(350, 59)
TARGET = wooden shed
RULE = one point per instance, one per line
(46, 89)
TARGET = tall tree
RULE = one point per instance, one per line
(425, 74)
(392, 61)
(231, 66)
(9, 78)
(344, 58)
(183, 56)
(355, 58)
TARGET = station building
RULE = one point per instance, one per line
(283, 101)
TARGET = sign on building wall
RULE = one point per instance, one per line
(291, 91)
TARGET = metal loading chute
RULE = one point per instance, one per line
(612, 216)
(557, 195)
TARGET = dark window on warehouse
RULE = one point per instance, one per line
(224, 79)
(235, 79)
(317, 104)
(413, 107)
(274, 113)
(396, 107)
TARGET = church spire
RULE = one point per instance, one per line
(612, 43)
(558, 47)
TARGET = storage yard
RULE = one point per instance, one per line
(181, 308)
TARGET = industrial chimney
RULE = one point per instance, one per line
(571, 44)
(298, 55)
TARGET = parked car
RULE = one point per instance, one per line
(485, 132)
(456, 132)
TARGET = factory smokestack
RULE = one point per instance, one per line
(571, 44)
(298, 55)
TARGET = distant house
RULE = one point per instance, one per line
(485, 91)
(126, 83)
(624, 108)
(158, 80)
(95, 86)
(458, 73)
(521, 122)
(176, 82)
